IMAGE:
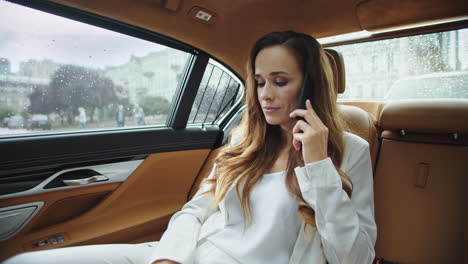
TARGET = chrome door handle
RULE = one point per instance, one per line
(85, 181)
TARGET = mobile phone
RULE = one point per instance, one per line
(306, 93)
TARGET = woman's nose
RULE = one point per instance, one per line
(266, 92)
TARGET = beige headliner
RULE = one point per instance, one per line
(238, 23)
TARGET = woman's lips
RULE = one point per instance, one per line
(269, 110)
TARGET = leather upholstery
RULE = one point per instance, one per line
(383, 15)
(426, 116)
(359, 122)
(420, 182)
(204, 172)
(136, 210)
(373, 108)
(421, 223)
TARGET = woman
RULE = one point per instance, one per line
(282, 211)
(291, 187)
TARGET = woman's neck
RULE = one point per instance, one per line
(284, 147)
(286, 137)
(281, 161)
(286, 129)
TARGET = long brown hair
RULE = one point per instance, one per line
(247, 161)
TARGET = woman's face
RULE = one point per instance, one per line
(278, 78)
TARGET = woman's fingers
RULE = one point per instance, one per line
(313, 115)
(298, 112)
(308, 114)
(297, 140)
(298, 133)
(310, 132)
(304, 114)
(301, 125)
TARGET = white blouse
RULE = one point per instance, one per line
(270, 237)
(345, 231)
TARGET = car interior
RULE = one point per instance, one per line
(122, 185)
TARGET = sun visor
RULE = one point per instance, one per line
(386, 15)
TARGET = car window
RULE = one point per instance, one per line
(219, 91)
(423, 66)
(62, 75)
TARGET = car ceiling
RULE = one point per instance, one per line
(237, 24)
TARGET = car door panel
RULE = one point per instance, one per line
(140, 206)
(68, 201)
(151, 181)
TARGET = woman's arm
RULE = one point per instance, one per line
(346, 226)
(179, 241)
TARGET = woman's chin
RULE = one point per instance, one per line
(286, 123)
(274, 121)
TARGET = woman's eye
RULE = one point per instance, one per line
(281, 83)
(259, 84)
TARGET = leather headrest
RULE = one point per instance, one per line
(426, 116)
(337, 65)
(359, 122)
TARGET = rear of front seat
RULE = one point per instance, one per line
(420, 182)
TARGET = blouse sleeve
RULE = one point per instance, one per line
(179, 241)
(346, 226)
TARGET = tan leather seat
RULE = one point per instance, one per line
(337, 64)
(359, 122)
(420, 182)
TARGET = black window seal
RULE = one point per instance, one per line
(187, 91)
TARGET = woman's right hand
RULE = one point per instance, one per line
(165, 261)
